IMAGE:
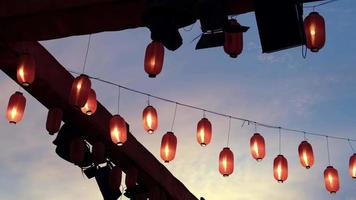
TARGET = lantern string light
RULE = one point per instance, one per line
(86, 53)
(327, 147)
(287, 130)
(320, 4)
(228, 132)
(174, 116)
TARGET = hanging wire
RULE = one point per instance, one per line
(280, 141)
(118, 100)
(285, 129)
(320, 4)
(86, 54)
(352, 148)
(148, 99)
(305, 137)
(255, 127)
(327, 147)
(174, 116)
(228, 133)
(204, 115)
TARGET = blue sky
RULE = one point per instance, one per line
(315, 94)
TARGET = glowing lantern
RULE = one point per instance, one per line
(26, 70)
(115, 179)
(54, 120)
(226, 162)
(168, 147)
(314, 27)
(131, 178)
(233, 42)
(16, 107)
(77, 151)
(80, 91)
(280, 168)
(118, 130)
(331, 178)
(154, 59)
(257, 147)
(306, 155)
(98, 153)
(90, 106)
(204, 132)
(352, 166)
(150, 119)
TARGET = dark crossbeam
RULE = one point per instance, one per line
(51, 87)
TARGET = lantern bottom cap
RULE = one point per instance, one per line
(280, 181)
(225, 175)
(12, 122)
(315, 50)
(150, 131)
(152, 76)
(119, 144)
(25, 84)
(258, 159)
(203, 144)
(166, 161)
(233, 55)
(307, 167)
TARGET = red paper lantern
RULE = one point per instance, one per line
(204, 132)
(154, 59)
(91, 104)
(16, 107)
(280, 168)
(131, 178)
(98, 153)
(257, 147)
(168, 147)
(77, 151)
(26, 70)
(233, 42)
(80, 91)
(54, 119)
(314, 27)
(150, 119)
(352, 166)
(306, 155)
(115, 179)
(226, 162)
(118, 130)
(331, 178)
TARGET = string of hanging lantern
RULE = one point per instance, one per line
(249, 121)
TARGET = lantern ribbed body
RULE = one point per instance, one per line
(80, 91)
(16, 108)
(233, 42)
(91, 104)
(154, 59)
(280, 168)
(118, 130)
(306, 155)
(98, 153)
(115, 179)
(168, 147)
(257, 147)
(204, 132)
(26, 70)
(54, 120)
(314, 27)
(131, 178)
(352, 166)
(226, 162)
(331, 179)
(150, 119)
(77, 151)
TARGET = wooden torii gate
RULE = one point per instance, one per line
(23, 23)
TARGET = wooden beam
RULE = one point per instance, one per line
(51, 88)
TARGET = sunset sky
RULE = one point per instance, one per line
(316, 94)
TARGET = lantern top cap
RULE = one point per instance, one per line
(257, 134)
(330, 167)
(204, 118)
(170, 132)
(305, 142)
(226, 148)
(18, 92)
(86, 76)
(314, 13)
